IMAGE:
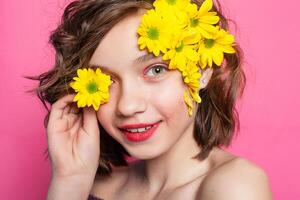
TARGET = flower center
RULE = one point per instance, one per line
(194, 22)
(92, 87)
(153, 33)
(171, 2)
(178, 49)
(209, 43)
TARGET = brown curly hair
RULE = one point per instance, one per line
(84, 24)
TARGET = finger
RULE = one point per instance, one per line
(66, 110)
(71, 109)
(72, 119)
(74, 109)
(59, 106)
(76, 125)
(90, 122)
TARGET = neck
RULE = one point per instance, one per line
(175, 167)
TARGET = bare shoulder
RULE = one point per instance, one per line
(106, 186)
(237, 179)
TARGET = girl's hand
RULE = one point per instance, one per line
(73, 139)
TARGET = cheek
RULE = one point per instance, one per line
(104, 116)
(170, 101)
(106, 111)
(167, 98)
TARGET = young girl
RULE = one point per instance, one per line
(157, 81)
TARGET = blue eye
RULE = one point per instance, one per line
(157, 69)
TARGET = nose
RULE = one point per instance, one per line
(131, 100)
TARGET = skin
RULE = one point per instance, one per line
(74, 149)
(165, 169)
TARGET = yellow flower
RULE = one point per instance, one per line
(202, 20)
(182, 50)
(189, 102)
(212, 50)
(173, 12)
(195, 95)
(153, 33)
(191, 77)
(92, 88)
(170, 4)
(187, 37)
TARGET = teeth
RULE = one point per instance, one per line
(139, 130)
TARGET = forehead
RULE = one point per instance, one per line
(119, 46)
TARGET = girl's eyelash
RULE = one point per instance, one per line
(157, 66)
(149, 69)
(112, 79)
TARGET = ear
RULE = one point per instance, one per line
(206, 75)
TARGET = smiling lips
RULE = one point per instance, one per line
(136, 126)
(140, 132)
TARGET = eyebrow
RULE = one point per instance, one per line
(141, 59)
(145, 58)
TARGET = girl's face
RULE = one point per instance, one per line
(143, 91)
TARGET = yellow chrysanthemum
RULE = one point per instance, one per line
(92, 88)
(212, 50)
(172, 12)
(187, 36)
(153, 33)
(182, 50)
(202, 20)
(191, 76)
(170, 4)
(189, 102)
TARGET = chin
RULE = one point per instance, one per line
(145, 153)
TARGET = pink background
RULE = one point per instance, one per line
(267, 30)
